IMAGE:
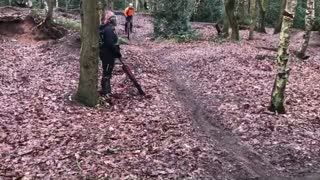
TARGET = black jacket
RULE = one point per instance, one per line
(108, 42)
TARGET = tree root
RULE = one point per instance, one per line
(302, 56)
(48, 30)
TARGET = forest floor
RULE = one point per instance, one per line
(206, 116)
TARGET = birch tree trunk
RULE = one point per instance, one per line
(10, 2)
(253, 17)
(137, 5)
(230, 8)
(310, 15)
(277, 29)
(57, 3)
(87, 93)
(277, 96)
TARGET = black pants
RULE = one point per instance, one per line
(107, 68)
(107, 62)
(129, 19)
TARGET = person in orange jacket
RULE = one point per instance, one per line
(128, 13)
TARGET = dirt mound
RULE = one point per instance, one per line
(18, 23)
(19, 29)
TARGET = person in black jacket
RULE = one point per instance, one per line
(109, 50)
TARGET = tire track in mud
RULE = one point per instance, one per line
(245, 163)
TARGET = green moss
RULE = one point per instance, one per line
(68, 23)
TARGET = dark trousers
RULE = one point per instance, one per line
(129, 19)
(107, 68)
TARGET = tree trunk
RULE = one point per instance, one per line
(310, 15)
(87, 93)
(102, 9)
(152, 5)
(277, 29)
(141, 5)
(10, 2)
(230, 8)
(225, 29)
(253, 15)
(46, 7)
(111, 4)
(277, 97)
(67, 4)
(57, 3)
(262, 12)
(136, 4)
(50, 11)
(241, 13)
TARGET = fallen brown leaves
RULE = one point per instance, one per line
(44, 135)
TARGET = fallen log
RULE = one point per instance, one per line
(267, 48)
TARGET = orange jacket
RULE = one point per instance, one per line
(129, 11)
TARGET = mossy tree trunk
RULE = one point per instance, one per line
(310, 15)
(277, 29)
(253, 17)
(230, 8)
(277, 96)
(262, 15)
(87, 93)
